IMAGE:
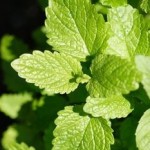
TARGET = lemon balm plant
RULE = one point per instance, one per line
(104, 47)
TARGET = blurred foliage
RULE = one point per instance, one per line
(15, 101)
(11, 48)
(40, 42)
(34, 113)
(21, 146)
(43, 3)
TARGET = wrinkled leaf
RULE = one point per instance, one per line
(128, 33)
(74, 27)
(57, 73)
(111, 107)
(112, 75)
(75, 131)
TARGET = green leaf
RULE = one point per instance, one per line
(128, 33)
(141, 95)
(139, 108)
(117, 145)
(112, 75)
(145, 5)
(143, 63)
(134, 3)
(80, 132)
(113, 3)
(21, 146)
(57, 73)
(11, 78)
(11, 47)
(48, 136)
(111, 107)
(143, 132)
(147, 20)
(10, 104)
(22, 133)
(9, 137)
(47, 111)
(74, 27)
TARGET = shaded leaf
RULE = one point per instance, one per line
(145, 5)
(143, 132)
(11, 47)
(127, 133)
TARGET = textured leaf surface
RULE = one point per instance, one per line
(57, 73)
(112, 75)
(21, 146)
(74, 27)
(128, 33)
(145, 5)
(78, 132)
(143, 132)
(110, 107)
(113, 3)
(10, 104)
(143, 65)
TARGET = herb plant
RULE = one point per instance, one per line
(97, 75)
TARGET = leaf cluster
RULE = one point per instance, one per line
(94, 79)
